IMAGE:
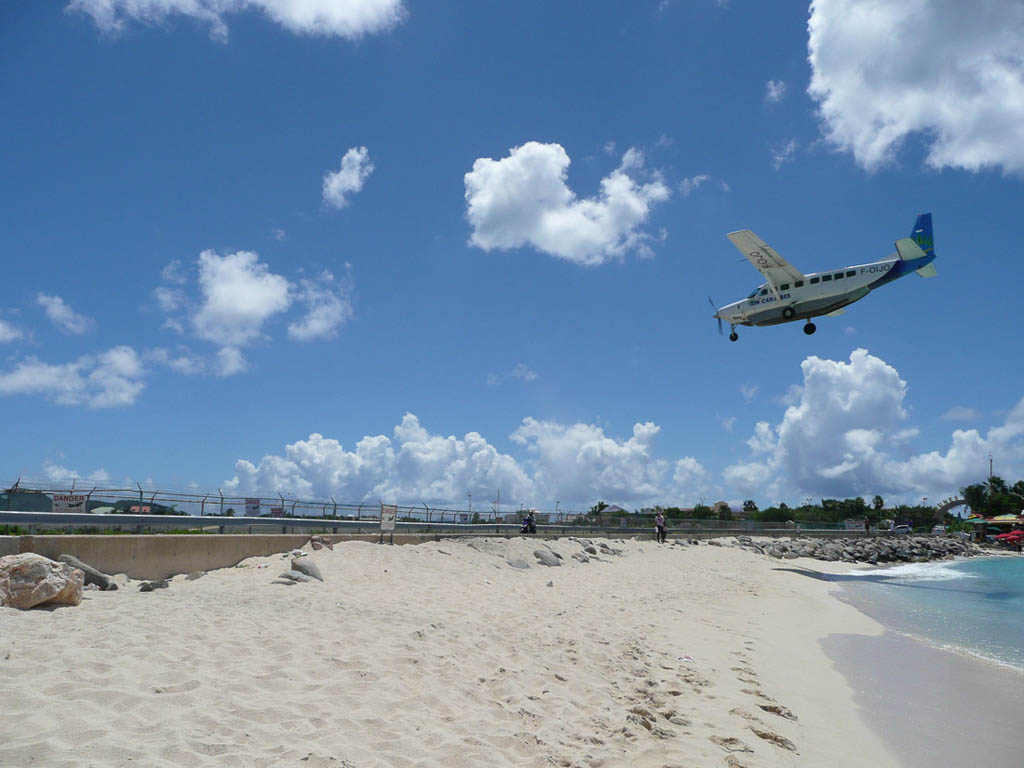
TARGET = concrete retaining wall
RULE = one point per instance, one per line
(160, 556)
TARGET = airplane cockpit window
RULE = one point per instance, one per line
(754, 292)
(764, 291)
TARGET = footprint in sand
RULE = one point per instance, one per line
(774, 738)
(729, 744)
(778, 709)
(188, 685)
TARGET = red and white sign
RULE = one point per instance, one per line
(69, 503)
(388, 513)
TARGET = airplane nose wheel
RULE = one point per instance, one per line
(810, 328)
(733, 336)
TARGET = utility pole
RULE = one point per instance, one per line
(990, 465)
(469, 495)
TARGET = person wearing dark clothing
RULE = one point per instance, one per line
(659, 525)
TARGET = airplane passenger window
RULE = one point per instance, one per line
(784, 287)
(838, 275)
(798, 284)
(826, 278)
(852, 273)
(814, 280)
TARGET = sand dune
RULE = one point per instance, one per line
(442, 654)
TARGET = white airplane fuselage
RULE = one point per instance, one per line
(819, 293)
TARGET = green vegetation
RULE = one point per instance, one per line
(994, 497)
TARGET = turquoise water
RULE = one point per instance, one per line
(970, 606)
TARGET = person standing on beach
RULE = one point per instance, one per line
(659, 525)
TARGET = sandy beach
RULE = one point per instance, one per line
(444, 654)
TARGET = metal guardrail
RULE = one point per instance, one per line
(33, 521)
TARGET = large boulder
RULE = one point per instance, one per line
(92, 576)
(28, 580)
(546, 557)
(306, 566)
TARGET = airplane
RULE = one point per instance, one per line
(789, 295)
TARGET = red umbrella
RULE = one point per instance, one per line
(1011, 535)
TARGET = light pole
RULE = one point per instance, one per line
(469, 495)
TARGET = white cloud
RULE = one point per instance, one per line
(184, 362)
(238, 295)
(9, 333)
(523, 373)
(729, 423)
(845, 435)
(580, 462)
(783, 153)
(279, 234)
(686, 186)
(411, 466)
(949, 71)
(576, 464)
(63, 316)
(355, 168)
(230, 361)
(174, 272)
(748, 391)
(961, 413)
(774, 90)
(113, 378)
(523, 200)
(328, 305)
(58, 474)
(340, 18)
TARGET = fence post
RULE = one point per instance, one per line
(221, 502)
(202, 505)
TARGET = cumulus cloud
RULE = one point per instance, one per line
(63, 316)
(411, 466)
(576, 464)
(524, 200)
(233, 299)
(238, 295)
(949, 71)
(112, 378)
(62, 475)
(579, 461)
(328, 305)
(355, 168)
(845, 435)
(748, 391)
(9, 333)
(774, 90)
(338, 18)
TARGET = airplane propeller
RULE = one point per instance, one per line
(712, 303)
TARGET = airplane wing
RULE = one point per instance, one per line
(765, 258)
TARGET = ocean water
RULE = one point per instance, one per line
(972, 607)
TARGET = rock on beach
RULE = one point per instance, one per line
(28, 580)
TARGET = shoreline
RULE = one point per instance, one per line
(445, 653)
(930, 703)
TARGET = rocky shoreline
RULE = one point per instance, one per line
(871, 549)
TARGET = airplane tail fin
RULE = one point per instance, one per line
(922, 234)
(920, 244)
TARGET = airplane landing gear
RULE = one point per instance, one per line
(734, 336)
(810, 328)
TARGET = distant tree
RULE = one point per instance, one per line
(701, 512)
(878, 503)
(724, 512)
(749, 506)
(476, 518)
(597, 508)
(229, 512)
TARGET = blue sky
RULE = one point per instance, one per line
(372, 248)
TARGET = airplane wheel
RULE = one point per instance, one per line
(810, 328)
(733, 336)
(788, 313)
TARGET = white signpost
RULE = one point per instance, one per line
(69, 503)
(388, 513)
(252, 507)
